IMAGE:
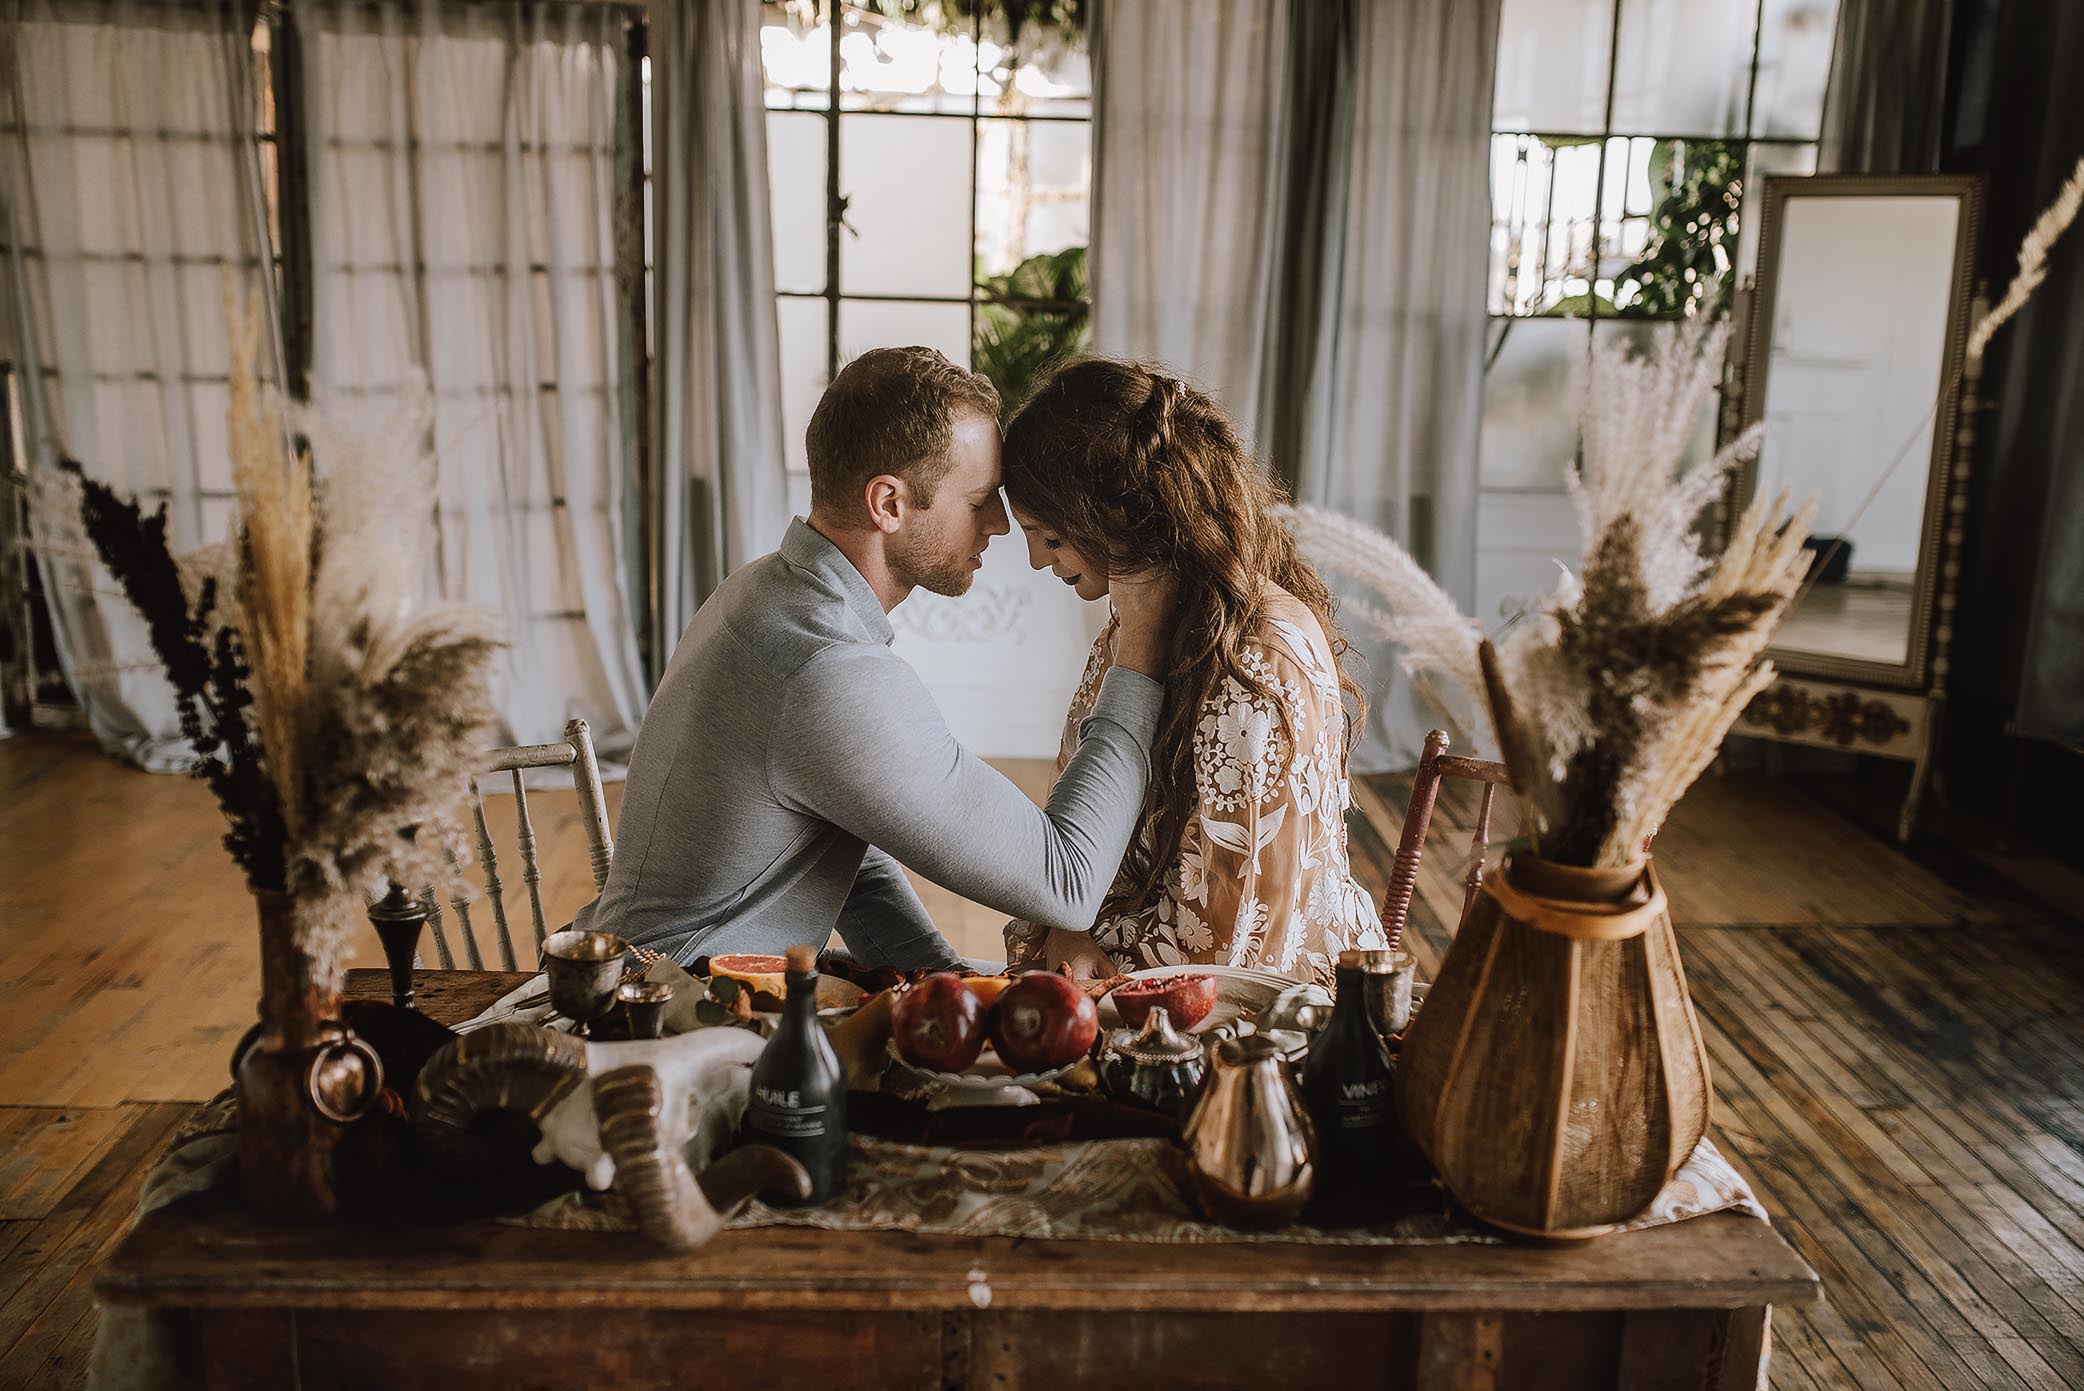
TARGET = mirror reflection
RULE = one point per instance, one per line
(1861, 293)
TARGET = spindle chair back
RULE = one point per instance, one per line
(1434, 764)
(574, 752)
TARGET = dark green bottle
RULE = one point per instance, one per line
(1346, 1084)
(799, 1090)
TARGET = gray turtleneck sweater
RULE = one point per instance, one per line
(790, 761)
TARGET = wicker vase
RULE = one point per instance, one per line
(1556, 1076)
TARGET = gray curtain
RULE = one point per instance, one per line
(718, 495)
(125, 198)
(1885, 107)
(2025, 562)
(1291, 208)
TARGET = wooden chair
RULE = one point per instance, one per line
(576, 753)
(1433, 765)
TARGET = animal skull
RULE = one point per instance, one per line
(649, 1118)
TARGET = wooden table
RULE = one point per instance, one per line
(326, 1306)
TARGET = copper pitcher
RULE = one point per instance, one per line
(1250, 1149)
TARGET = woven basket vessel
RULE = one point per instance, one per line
(1556, 1076)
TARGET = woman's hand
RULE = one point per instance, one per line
(1146, 603)
(1078, 951)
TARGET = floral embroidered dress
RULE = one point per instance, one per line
(1261, 876)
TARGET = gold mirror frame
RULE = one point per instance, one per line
(1941, 481)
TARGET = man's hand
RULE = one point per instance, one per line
(1078, 951)
(1146, 603)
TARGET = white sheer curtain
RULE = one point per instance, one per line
(1291, 210)
(465, 199)
(127, 192)
(1192, 118)
(719, 494)
(1392, 389)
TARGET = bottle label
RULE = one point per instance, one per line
(1363, 1105)
(779, 1112)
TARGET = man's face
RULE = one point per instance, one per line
(941, 547)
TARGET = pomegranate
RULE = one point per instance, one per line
(1043, 1021)
(1187, 999)
(938, 1024)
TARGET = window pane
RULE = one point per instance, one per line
(1668, 225)
(907, 184)
(1530, 402)
(1683, 66)
(865, 324)
(1032, 190)
(1040, 69)
(1544, 196)
(1552, 65)
(796, 188)
(1765, 160)
(795, 54)
(1794, 63)
(907, 64)
(803, 342)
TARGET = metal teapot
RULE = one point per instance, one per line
(1250, 1149)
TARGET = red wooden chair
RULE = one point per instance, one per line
(1437, 763)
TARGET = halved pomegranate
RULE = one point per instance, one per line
(1187, 999)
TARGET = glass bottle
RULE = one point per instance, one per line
(799, 1090)
(1346, 1086)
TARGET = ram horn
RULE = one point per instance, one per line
(651, 1169)
(516, 1067)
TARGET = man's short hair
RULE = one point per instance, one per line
(890, 410)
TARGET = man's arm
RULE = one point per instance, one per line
(883, 922)
(858, 742)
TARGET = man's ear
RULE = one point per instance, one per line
(889, 500)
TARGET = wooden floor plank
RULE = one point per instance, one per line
(43, 1149)
(1841, 1143)
(49, 1268)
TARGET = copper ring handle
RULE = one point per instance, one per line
(352, 1043)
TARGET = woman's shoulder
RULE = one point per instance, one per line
(1288, 629)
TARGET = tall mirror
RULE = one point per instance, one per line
(1854, 360)
(1858, 322)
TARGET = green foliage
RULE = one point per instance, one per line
(1693, 234)
(1030, 319)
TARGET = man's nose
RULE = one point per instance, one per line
(998, 525)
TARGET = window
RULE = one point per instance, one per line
(942, 200)
(1624, 135)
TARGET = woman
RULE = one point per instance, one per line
(1113, 469)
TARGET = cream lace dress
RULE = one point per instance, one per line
(1261, 876)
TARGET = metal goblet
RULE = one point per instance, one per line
(644, 1002)
(584, 968)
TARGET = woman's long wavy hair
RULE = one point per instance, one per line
(1126, 463)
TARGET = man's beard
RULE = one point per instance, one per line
(938, 574)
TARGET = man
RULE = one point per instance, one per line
(790, 760)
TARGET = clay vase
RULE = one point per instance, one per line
(1556, 1076)
(301, 1077)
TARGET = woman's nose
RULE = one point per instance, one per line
(1038, 555)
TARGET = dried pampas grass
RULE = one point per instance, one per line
(1617, 694)
(2040, 239)
(336, 718)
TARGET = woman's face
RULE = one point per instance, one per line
(1051, 552)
